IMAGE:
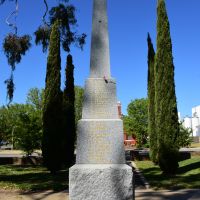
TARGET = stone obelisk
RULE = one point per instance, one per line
(100, 172)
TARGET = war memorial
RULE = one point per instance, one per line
(100, 172)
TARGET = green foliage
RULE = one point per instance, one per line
(151, 102)
(167, 126)
(67, 18)
(10, 86)
(21, 125)
(14, 47)
(52, 111)
(6, 124)
(42, 35)
(65, 14)
(35, 97)
(184, 138)
(168, 156)
(69, 129)
(79, 91)
(28, 129)
(136, 122)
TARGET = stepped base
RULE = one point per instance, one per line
(100, 182)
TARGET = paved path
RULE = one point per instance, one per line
(191, 149)
(146, 194)
(192, 194)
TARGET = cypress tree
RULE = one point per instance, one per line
(151, 102)
(167, 126)
(69, 129)
(52, 111)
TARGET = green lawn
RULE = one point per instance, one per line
(31, 178)
(188, 175)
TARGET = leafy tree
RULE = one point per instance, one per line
(167, 126)
(35, 97)
(6, 124)
(21, 125)
(65, 14)
(151, 102)
(185, 137)
(28, 129)
(52, 111)
(136, 123)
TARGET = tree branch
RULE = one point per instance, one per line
(44, 16)
(14, 13)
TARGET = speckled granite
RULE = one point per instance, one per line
(100, 141)
(100, 182)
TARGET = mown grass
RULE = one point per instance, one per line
(28, 178)
(188, 175)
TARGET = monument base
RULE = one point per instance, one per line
(101, 182)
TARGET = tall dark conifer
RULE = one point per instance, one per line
(52, 111)
(167, 126)
(151, 102)
(69, 129)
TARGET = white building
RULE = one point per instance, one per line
(193, 122)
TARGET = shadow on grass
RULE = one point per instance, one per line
(189, 167)
(33, 178)
(188, 176)
(151, 170)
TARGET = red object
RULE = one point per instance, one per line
(128, 140)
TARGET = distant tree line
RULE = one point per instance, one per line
(21, 124)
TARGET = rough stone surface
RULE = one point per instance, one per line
(100, 172)
(100, 56)
(100, 100)
(100, 141)
(100, 182)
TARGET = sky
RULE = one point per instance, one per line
(129, 23)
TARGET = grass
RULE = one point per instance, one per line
(188, 175)
(28, 178)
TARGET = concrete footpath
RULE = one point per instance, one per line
(186, 194)
(146, 194)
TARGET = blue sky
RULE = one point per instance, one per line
(129, 22)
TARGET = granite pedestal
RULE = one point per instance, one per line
(101, 182)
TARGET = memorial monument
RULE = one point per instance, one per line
(100, 172)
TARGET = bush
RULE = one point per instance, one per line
(167, 159)
(184, 138)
